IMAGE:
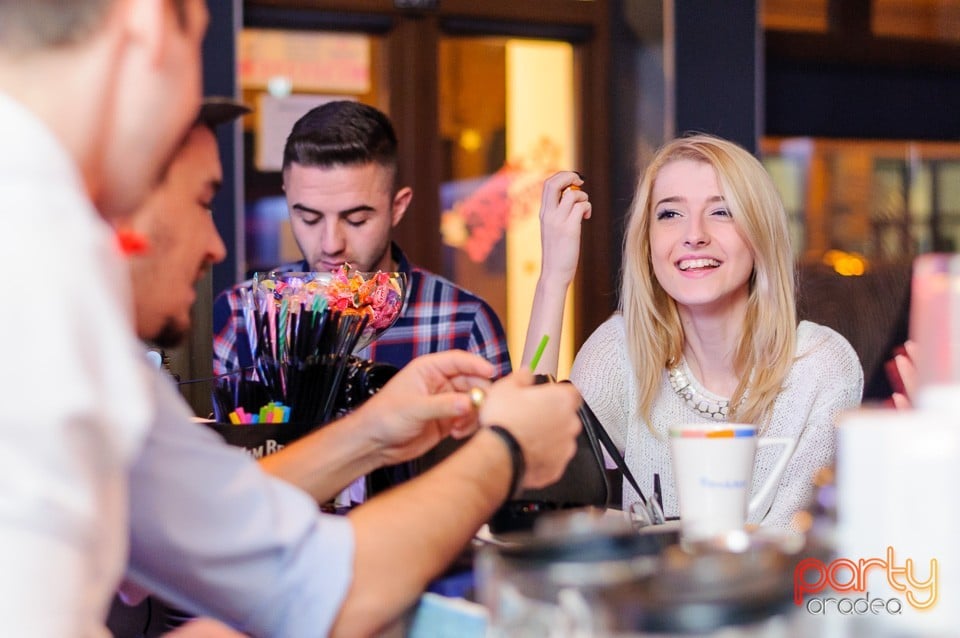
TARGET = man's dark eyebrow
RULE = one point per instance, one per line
(362, 208)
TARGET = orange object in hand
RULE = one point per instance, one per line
(571, 187)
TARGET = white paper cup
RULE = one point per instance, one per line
(713, 468)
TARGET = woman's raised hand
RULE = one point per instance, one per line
(563, 206)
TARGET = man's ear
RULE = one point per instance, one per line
(400, 203)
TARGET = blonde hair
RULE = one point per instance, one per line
(653, 330)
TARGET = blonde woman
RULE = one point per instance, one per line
(707, 327)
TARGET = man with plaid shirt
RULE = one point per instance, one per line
(340, 182)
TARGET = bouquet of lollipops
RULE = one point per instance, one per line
(303, 328)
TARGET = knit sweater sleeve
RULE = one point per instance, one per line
(601, 373)
(826, 380)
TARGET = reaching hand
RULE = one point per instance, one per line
(903, 376)
(562, 208)
(543, 418)
(425, 402)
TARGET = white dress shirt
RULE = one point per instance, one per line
(90, 435)
(215, 536)
(75, 396)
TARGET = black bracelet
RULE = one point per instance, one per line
(517, 461)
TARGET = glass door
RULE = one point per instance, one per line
(507, 121)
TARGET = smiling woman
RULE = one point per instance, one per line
(700, 256)
(707, 297)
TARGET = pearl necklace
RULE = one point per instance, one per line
(710, 408)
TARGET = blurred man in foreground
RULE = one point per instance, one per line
(94, 97)
(422, 404)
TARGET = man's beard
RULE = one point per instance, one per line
(170, 336)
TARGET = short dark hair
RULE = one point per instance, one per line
(341, 133)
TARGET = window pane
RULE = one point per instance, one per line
(882, 200)
(789, 175)
(948, 200)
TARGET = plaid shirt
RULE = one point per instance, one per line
(438, 316)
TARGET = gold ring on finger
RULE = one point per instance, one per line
(477, 397)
